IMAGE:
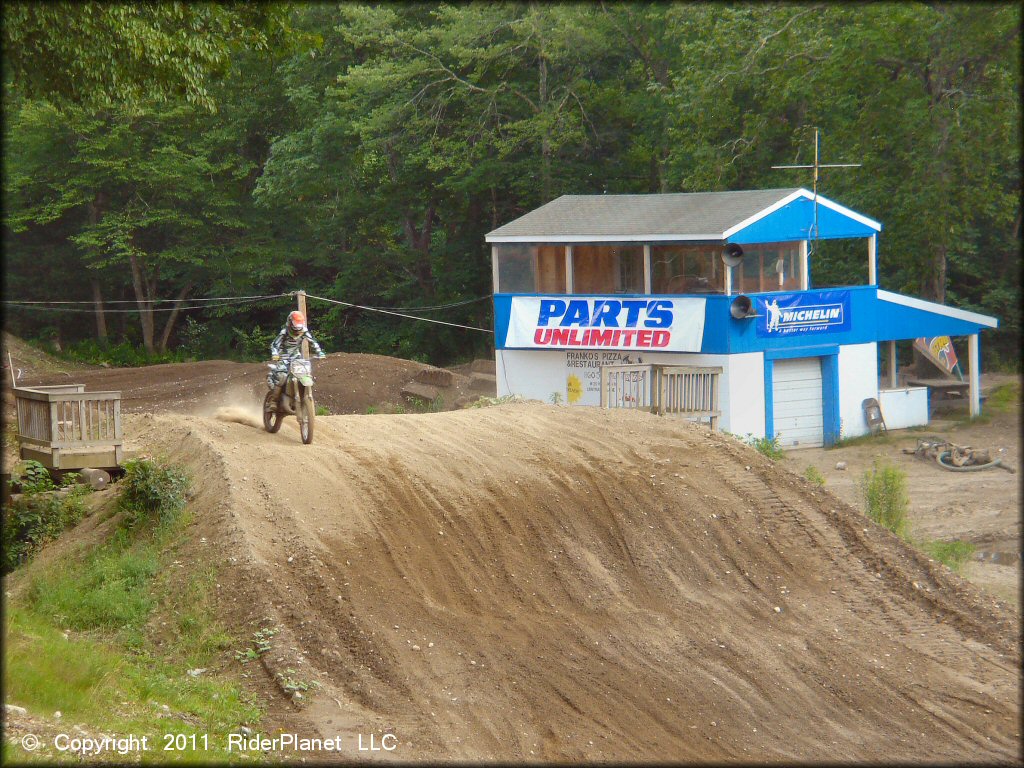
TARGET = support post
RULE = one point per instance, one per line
(301, 296)
(893, 378)
(728, 279)
(494, 268)
(975, 374)
(872, 260)
(805, 272)
(569, 287)
(647, 269)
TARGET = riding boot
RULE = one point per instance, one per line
(275, 394)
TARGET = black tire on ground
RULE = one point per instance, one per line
(271, 417)
(307, 416)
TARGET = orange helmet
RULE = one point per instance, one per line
(296, 323)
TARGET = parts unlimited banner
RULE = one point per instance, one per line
(561, 322)
(783, 314)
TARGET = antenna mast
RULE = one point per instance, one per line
(817, 166)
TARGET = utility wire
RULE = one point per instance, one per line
(152, 301)
(398, 314)
(19, 305)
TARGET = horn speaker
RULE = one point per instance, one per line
(742, 308)
(732, 255)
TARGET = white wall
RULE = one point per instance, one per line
(906, 407)
(536, 374)
(858, 380)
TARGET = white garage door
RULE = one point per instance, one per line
(796, 391)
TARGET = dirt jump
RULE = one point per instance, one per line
(530, 582)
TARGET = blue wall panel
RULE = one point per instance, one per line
(795, 220)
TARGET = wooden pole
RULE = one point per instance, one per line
(893, 378)
(301, 296)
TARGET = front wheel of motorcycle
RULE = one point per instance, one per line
(307, 415)
(271, 417)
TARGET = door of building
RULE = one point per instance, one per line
(797, 402)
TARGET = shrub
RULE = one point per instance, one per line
(123, 355)
(884, 489)
(34, 519)
(768, 446)
(951, 553)
(255, 345)
(814, 475)
(151, 490)
(32, 476)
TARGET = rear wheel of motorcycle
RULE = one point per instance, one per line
(271, 418)
(307, 415)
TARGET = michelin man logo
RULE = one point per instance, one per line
(774, 313)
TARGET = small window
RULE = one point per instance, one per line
(608, 269)
(530, 268)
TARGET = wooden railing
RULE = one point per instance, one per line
(626, 386)
(66, 417)
(688, 391)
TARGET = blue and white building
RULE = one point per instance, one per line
(588, 281)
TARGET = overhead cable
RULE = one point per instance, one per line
(398, 314)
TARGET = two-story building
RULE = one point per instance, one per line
(719, 281)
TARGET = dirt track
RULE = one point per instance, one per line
(531, 582)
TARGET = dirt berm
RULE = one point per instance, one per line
(529, 582)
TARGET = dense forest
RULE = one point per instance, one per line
(167, 165)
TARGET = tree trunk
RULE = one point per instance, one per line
(174, 316)
(145, 307)
(939, 274)
(101, 317)
(545, 141)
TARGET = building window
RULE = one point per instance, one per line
(768, 267)
(687, 269)
(608, 269)
(526, 268)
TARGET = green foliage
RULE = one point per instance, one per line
(486, 402)
(255, 345)
(36, 518)
(884, 490)
(555, 398)
(103, 53)
(951, 553)
(32, 477)
(152, 492)
(767, 446)
(813, 474)
(1003, 398)
(323, 410)
(123, 355)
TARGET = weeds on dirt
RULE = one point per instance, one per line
(294, 685)
(260, 645)
(151, 489)
(951, 553)
(1003, 398)
(486, 402)
(323, 410)
(555, 398)
(813, 474)
(884, 489)
(767, 446)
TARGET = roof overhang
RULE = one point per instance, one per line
(781, 221)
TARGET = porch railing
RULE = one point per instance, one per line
(66, 417)
(687, 391)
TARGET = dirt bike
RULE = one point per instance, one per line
(296, 397)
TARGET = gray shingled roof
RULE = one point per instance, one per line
(678, 214)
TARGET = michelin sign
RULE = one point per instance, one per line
(785, 314)
(623, 323)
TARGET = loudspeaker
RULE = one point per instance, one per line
(732, 255)
(742, 308)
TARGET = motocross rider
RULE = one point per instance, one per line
(288, 345)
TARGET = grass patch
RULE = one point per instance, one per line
(109, 638)
(1003, 398)
(951, 553)
(884, 489)
(813, 474)
(767, 446)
